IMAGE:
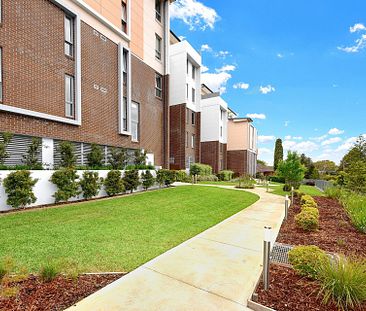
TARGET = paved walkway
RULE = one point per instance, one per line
(215, 270)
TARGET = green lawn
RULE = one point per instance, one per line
(220, 183)
(118, 234)
(303, 188)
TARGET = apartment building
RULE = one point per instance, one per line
(242, 145)
(184, 104)
(214, 131)
(86, 71)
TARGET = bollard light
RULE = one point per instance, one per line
(266, 255)
(292, 195)
(287, 204)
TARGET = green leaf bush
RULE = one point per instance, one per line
(310, 204)
(307, 199)
(307, 221)
(148, 180)
(19, 188)
(95, 156)
(225, 175)
(307, 260)
(30, 159)
(131, 180)
(311, 210)
(246, 182)
(200, 169)
(113, 183)
(182, 176)
(67, 154)
(298, 194)
(90, 184)
(118, 158)
(48, 272)
(6, 138)
(165, 177)
(207, 178)
(66, 180)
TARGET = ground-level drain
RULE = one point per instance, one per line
(279, 253)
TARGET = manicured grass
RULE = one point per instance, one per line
(118, 234)
(220, 183)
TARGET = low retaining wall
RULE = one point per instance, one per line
(44, 189)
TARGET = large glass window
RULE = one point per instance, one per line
(69, 96)
(124, 16)
(157, 47)
(158, 86)
(193, 95)
(125, 66)
(125, 115)
(193, 118)
(158, 10)
(69, 36)
(135, 121)
(193, 141)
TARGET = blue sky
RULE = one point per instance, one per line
(297, 67)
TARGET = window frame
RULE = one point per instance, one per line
(124, 16)
(125, 114)
(187, 139)
(193, 141)
(158, 47)
(158, 90)
(193, 72)
(70, 104)
(125, 66)
(193, 118)
(135, 138)
(158, 10)
(69, 44)
(193, 95)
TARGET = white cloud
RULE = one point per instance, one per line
(262, 151)
(335, 131)
(331, 141)
(222, 54)
(260, 116)
(303, 147)
(216, 81)
(241, 85)
(289, 137)
(226, 68)
(286, 123)
(204, 69)
(267, 89)
(205, 48)
(182, 38)
(347, 144)
(194, 13)
(265, 139)
(357, 27)
(280, 55)
(319, 138)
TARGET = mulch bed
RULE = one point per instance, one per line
(336, 233)
(291, 292)
(58, 294)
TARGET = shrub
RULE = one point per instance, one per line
(90, 184)
(113, 183)
(225, 175)
(355, 206)
(277, 179)
(182, 176)
(307, 221)
(334, 192)
(286, 188)
(309, 204)
(246, 182)
(148, 180)
(131, 180)
(95, 156)
(19, 188)
(30, 159)
(311, 210)
(67, 154)
(307, 260)
(307, 199)
(200, 169)
(67, 185)
(139, 167)
(344, 282)
(207, 178)
(48, 272)
(298, 194)
(118, 158)
(165, 177)
(6, 138)
(140, 157)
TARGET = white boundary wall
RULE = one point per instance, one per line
(44, 189)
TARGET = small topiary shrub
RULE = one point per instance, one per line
(200, 169)
(307, 260)
(307, 221)
(246, 182)
(30, 159)
(67, 184)
(19, 188)
(48, 272)
(225, 175)
(131, 180)
(182, 176)
(118, 158)
(310, 204)
(311, 210)
(67, 153)
(90, 184)
(165, 177)
(140, 157)
(6, 138)
(113, 183)
(207, 178)
(287, 188)
(344, 281)
(95, 156)
(148, 180)
(298, 194)
(307, 199)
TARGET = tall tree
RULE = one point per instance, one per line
(326, 166)
(291, 170)
(278, 153)
(357, 153)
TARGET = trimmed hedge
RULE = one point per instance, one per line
(225, 175)
(66, 180)
(200, 169)
(307, 221)
(113, 183)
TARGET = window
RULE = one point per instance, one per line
(193, 95)
(193, 141)
(158, 86)
(158, 10)
(1, 74)
(124, 16)
(187, 87)
(221, 114)
(125, 66)
(187, 115)
(69, 36)
(187, 66)
(193, 118)
(157, 47)
(193, 72)
(135, 120)
(69, 96)
(125, 115)
(187, 139)
(221, 131)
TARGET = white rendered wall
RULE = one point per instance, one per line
(44, 189)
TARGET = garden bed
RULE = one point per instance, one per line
(336, 233)
(290, 292)
(59, 294)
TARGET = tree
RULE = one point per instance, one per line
(67, 153)
(118, 158)
(131, 180)
(326, 166)
(291, 170)
(355, 178)
(31, 157)
(148, 180)
(261, 162)
(140, 157)
(95, 156)
(278, 153)
(6, 138)
(311, 171)
(357, 153)
(113, 183)
(90, 184)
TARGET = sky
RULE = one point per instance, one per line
(297, 68)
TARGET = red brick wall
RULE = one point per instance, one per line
(33, 73)
(242, 161)
(212, 153)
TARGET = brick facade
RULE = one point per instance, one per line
(242, 162)
(214, 154)
(34, 64)
(181, 131)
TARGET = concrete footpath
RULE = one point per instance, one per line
(215, 270)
